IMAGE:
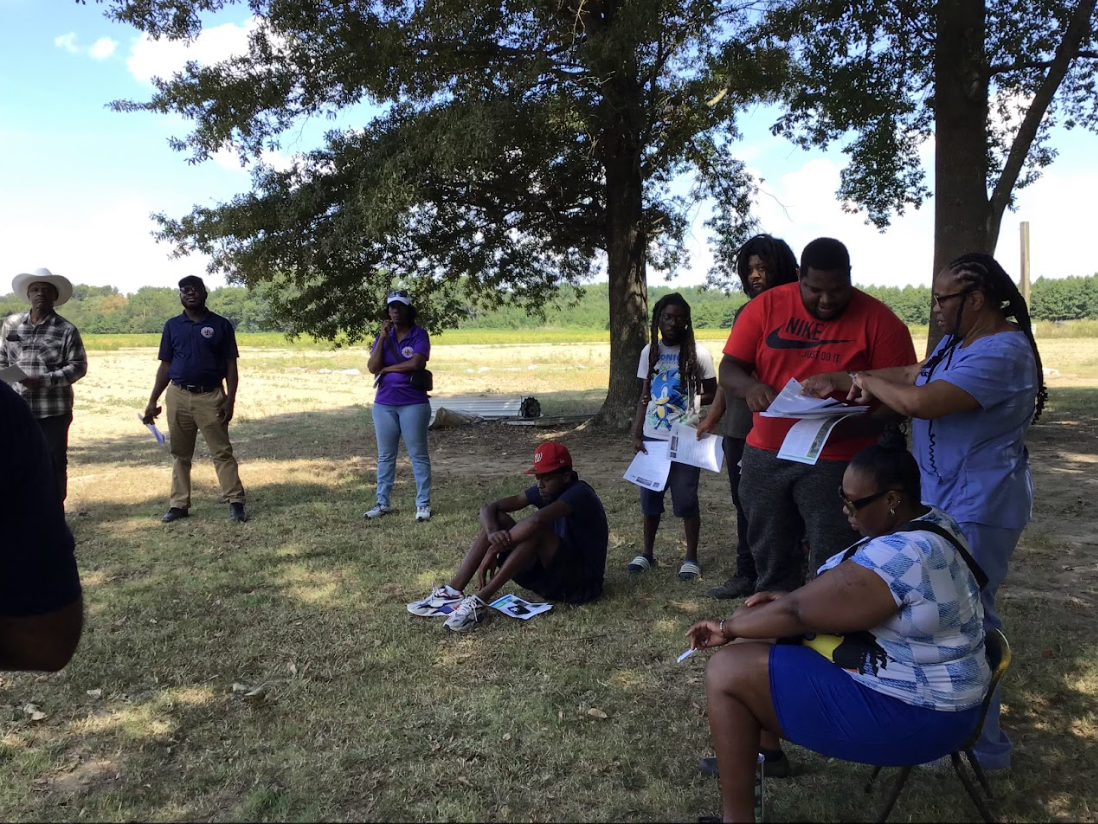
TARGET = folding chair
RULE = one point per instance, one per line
(998, 656)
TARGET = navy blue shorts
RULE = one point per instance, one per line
(567, 579)
(820, 707)
(682, 480)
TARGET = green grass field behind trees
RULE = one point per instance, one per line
(105, 310)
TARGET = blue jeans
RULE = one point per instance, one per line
(390, 423)
(991, 548)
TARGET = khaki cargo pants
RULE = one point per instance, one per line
(189, 413)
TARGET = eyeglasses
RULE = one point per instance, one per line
(678, 320)
(852, 507)
(190, 288)
(940, 299)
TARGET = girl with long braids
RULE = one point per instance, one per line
(971, 403)
(676, 378)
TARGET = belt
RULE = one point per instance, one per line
(196, 390)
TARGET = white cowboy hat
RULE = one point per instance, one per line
(23, 282)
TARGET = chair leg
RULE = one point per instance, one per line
(976, 768)
(872, 778)
(970, 788)
(895, 794)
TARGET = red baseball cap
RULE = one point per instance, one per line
(549, 457)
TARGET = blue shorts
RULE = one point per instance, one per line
(820, 707)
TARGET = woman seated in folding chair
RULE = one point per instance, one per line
(887, 665)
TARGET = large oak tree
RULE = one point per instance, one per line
(988, 80)
(515, 146)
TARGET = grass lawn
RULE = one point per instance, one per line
(365, 712)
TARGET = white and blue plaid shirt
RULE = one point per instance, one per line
(53, 350)
(931, 652)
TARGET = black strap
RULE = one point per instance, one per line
(927, 526)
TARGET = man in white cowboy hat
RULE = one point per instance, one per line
(49, 350)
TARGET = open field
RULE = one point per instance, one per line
(369, 713)
(482, 337)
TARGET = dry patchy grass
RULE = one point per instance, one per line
(367, 712)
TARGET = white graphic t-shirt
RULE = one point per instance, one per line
(667, 401)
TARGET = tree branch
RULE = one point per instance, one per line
(1019, 148)
(1002, 68)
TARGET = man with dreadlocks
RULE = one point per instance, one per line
(971, 403)
(762, 263)
(676, 377)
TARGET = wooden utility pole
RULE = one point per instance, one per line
(1024, 285)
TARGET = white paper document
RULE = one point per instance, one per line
(685, 447)
(790, 403)
(806, 439)
(12, 374)
(515, 607)
(156, 433)
(650, 470)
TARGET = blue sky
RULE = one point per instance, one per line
(80, 181)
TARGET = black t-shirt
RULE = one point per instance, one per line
(585, 527)
(37, 565)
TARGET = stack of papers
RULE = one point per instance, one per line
(815, 419)
(651, 469)
(515, 607)
(790, 403)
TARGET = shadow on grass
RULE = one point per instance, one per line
(334, 433)
(363, 706)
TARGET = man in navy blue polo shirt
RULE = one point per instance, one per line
(197, 352)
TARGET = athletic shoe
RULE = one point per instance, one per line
(377, 512)
(423, 513)
(470, 612)
(440, 597)
(735, 587)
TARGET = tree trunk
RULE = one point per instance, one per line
(628, 289)
(962, 209)
(625, 250)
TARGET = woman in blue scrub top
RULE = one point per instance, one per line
(971, 403)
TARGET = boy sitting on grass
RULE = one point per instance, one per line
(559, 551)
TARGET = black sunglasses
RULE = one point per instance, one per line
(852, 507)
(399, 293)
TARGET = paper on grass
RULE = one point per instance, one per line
(650, 470)
(790, 403)
(12, 374)
(686, 447)
(515, 607)
(156, 433)
(806, 439)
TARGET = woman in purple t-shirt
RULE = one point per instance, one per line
(400, 409)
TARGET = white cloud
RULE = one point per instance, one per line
(151, 58)
(103, 48)
(67, 42)
(110, 246)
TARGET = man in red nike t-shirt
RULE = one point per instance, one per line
(821, 324)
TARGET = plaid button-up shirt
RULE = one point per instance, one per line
(53, 350)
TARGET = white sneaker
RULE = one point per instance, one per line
(470, 612)
(377, 512)
(423, 513)
(440, 597)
